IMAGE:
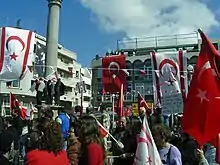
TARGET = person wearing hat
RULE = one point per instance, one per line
(6, 142)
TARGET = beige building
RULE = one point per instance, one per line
(68, 69)
(138, 58)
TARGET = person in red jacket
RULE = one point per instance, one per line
(46, 148)
(92, 147)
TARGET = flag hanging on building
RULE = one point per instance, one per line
(170, 80)
(17, 48)
(114, 73)
(146, 152)
(201, 114)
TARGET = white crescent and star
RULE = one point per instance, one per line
(170, 62)
(17, 39)
(13, 56)
(202, 94)
(113, 66)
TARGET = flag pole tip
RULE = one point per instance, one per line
(200, 30)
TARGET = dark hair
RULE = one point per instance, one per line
(77, 108)
(52, 139)
(9, 120)
(135, 123)
(89, 132)
(34, 140)
(47, 112)
(163, 131)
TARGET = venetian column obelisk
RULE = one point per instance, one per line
(52, 35)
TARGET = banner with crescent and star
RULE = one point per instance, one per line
(170, 80)
(17, 48)
(114, 73)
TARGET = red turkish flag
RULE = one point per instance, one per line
(113, 73)
(102, 130)
(142, 103)
(201, 114)
(16, 106)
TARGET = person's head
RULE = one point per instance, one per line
(142, 111)
(72, 132)
(8, 121)
(63, 110)
(52, 139)
(161, 135)
(6, 141)
(89, 132)
(134, 125)
(34, 140)
(77, 108)
(47, 112)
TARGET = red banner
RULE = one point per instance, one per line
(113, 73)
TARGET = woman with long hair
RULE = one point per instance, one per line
(169, 154)
(47, 149)
(92, 146)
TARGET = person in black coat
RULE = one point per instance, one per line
(50, 93)
(59, 91)
(6, 141)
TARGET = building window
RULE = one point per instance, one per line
(149, 98)
(129, 87)
(15, 84)
(88, 87)
(86, 98)
(149, 73)
(128, 96)
(76, 101)
(215, 45)
(99, 73)
(77, 74)
(99, 98)
(139, 87)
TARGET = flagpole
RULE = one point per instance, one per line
(81, 92)
(113, 110)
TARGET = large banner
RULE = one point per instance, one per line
(170, 80)
(114, 73)
(16, 52)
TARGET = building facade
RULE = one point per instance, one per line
(138, 58)
(68, 69)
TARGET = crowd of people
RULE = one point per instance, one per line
(70, 140)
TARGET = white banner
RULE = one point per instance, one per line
(16, 52)
(170, 80)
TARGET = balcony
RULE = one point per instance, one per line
(70, 82)
(64, 66)
(161, 42)
(68, 96)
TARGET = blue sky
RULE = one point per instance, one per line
(86, 34)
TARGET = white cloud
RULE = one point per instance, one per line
(141, 18)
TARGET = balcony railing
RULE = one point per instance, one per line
(158, 41)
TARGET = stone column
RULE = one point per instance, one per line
(52, 35)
